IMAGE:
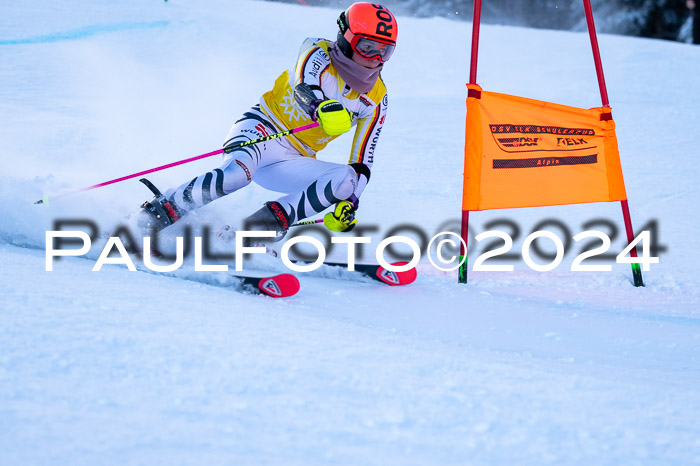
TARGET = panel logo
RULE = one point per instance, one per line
(508, 128)
(532, 138)
(545, 161)
(518, 142)
(571, 141)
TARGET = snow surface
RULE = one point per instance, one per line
(119, 367)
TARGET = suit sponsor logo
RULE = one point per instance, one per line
(373, 145)
(260, 127)
(317, 65)
(245, 169)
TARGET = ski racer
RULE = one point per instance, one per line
(337, 84)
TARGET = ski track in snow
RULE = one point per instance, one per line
(117, 367)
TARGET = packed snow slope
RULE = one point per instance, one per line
(523, 367)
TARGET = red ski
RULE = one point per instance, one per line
(278, 286)
(379, 273)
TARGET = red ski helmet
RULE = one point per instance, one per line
(368, 29)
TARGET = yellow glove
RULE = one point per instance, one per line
(342, 218)
(333, 117)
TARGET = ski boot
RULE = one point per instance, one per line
(270, 217)
(159, 212)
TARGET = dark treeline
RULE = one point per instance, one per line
(660, 19)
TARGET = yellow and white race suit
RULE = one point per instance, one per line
(289, 164)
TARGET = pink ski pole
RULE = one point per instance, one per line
(307, 222)
(45, 199)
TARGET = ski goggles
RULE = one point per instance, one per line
(370, 48)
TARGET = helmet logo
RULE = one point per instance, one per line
(383, 28)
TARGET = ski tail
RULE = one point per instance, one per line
(389, 277)
(278, 286)
(380, 274)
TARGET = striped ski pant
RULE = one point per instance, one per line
(311, 185)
